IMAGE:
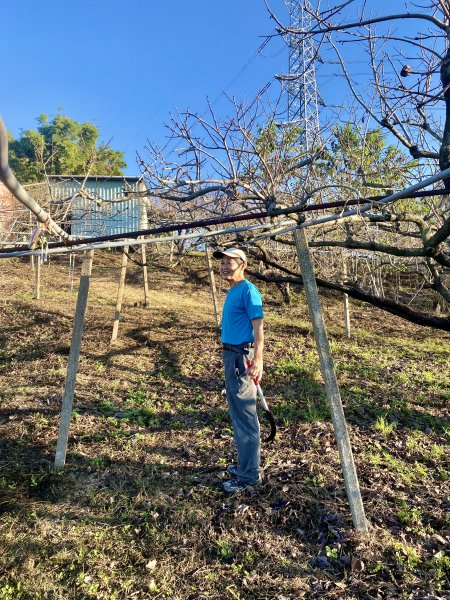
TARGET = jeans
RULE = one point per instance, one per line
(241, 398)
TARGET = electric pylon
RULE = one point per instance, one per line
(303, 97)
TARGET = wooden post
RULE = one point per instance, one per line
(331, 384)
(123, 272)
(346, 303)
(212, 283)
(37, 278)
(74, 356)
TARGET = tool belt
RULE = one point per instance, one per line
(239, 349)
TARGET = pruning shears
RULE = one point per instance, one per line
(265, 407)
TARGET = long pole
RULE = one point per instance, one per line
(212, 283)
(346, 302)
(123, 272)
(331, 385)
(143, 224)
(37, 278)
(136, 242)
(74, 357)
(145, 275)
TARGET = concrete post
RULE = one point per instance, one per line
(346, 303)
(331, 385)
(212, 283)
(37, 277)
(74, 356)
(143, 224)
(123, 272)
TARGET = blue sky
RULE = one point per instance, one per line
(127, 65)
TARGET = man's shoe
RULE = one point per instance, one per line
(232, 470)
(234, 486)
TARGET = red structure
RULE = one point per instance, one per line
(9, 212)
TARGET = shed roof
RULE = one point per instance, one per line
(131, 179)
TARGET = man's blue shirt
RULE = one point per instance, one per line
(242, 304)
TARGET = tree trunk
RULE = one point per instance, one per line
(444, 153)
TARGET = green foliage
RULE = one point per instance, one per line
(61, 146)
(11, 592)
(271, 138)
(365, 161)
(224, 548)
(439, 565)
(409, 515)
(331, 552)
(384, 426)
(278, 150)
(406, 556)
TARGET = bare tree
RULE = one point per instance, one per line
(407, 76)
(246, 164)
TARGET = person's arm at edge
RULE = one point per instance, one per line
(256, 370)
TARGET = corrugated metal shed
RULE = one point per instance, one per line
(88, 218)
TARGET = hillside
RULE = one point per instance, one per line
(138, 510)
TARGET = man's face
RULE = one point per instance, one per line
(232, 269)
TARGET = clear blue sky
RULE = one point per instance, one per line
(127, 65)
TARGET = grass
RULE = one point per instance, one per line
(138, 510)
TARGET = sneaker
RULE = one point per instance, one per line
(234, 486)
(232, 470)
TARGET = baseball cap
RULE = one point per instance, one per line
(232, 252)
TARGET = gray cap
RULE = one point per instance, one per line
(232, 252)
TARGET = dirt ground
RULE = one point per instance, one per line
(138, 510)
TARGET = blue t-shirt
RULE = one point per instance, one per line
(242, 304)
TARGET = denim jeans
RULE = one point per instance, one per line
(241, 398)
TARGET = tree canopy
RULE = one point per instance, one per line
(61, 145)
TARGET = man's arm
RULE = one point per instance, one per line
(256, 370)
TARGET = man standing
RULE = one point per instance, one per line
(243, 341)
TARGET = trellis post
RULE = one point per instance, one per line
(346, 303)
(331, 384)
(123, 272)
(212, 283)
(143, 224)
(71, 270)
(74, 357)
(37, 277)
(145, 274)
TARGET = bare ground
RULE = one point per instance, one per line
(138, 510)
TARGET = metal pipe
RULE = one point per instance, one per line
(126, 241)
(375, 200)
(6, 175)
(396, 196)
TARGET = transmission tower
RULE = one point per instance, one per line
(303, 97)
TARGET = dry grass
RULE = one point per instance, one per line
(138, 511)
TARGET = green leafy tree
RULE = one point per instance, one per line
(62, 146)
(365, 161)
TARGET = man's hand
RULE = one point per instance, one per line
(255, 369)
